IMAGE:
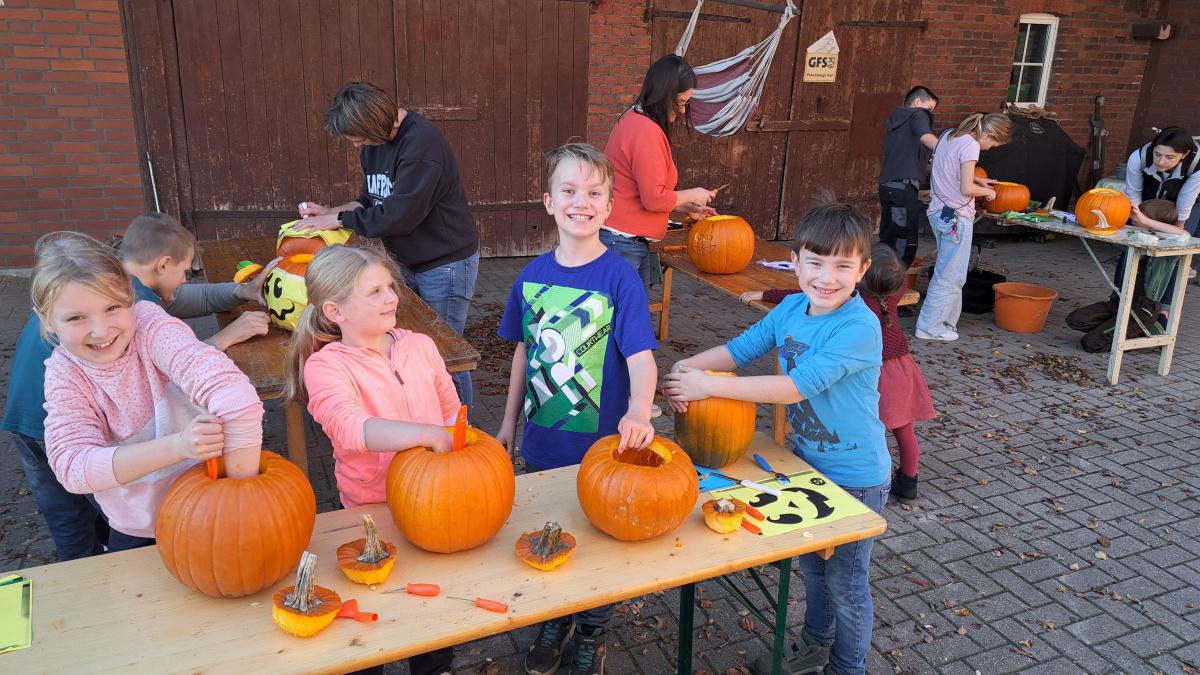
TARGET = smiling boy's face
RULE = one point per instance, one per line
(828, 280)
(580, 199)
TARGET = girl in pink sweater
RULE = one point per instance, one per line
(133, 399)
(375, 389)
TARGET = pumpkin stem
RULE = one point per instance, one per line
(1103, 221)
(302, 598)
(548, 542)
(724, 506)
(460, 429)
(374, 551)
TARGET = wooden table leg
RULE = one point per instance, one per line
(664, 315)
(297, 444)
(1132, 256)
(1181, 280)
(781, 615)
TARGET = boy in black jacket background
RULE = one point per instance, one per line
(413, 199)
(905, 165)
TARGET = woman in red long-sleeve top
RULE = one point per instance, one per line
(639, 148)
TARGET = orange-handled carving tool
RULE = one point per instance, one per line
(484, 603)
(349, 610)
(460, 429)
(417, 589)
(211, 467)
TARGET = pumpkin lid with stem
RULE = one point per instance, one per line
(547, 548)
(724, 515)
(1102, 227)
(369, 560)
(306, 608)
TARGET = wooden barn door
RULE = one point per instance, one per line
(232, 97)
(805, 136)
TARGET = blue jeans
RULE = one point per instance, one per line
(838, 611)
(943, 299)
(636, 253)
(76, 524)
(448, 290)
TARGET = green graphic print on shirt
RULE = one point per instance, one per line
(566, 335)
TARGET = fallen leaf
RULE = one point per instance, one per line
(1104, 541)
(920, 582)
(962, 611)
(747, 624)
(743, 612)
(1102, 555)
(983, 481)
(1049, 624)
(1022, 652)
(961, 631)
(1074, 567)
(1027, 644)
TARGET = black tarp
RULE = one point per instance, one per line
(1041, 156)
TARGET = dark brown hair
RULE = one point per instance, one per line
(833, 228)
(882, 280)
(362, 110)
(153, 236)
(667, 78)
(1160, 209)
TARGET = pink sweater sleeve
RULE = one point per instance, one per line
(651, 159)
(206, 375)
(335, 402)
(77, 447)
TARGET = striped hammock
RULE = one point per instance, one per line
(728, 91)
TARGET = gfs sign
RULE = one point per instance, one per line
(820, 60)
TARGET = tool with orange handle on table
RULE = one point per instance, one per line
(753, 513)
(349, 610)
(484, 603)
(417, 589)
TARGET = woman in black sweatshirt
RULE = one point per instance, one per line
(412, 199)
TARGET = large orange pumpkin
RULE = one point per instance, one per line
(451, 501)
(979, 173)
(234, 537)
(1115, 206)
(1009, 197)
(721, 244)
(715, 432)
(636, 494)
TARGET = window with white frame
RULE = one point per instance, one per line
(1032, 59)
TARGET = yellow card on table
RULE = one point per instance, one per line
(16, 611)
(809, 500)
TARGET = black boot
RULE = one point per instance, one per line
(904, 488)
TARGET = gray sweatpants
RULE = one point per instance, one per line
(943, 301)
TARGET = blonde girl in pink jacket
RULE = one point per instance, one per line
(133, 399)
(374, 388)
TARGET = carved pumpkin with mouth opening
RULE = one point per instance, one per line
(284, 289)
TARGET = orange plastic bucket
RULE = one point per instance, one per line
(1022, 308)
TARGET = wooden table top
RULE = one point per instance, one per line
(262, 358)
(123, 611)
(754, 278)
(1118, 238)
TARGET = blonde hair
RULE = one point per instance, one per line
(330, 277)
(153, 236)
(996, 125)
(584, 153)
(72, 257)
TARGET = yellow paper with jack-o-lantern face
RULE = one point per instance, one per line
(809, 500)
(284, 289)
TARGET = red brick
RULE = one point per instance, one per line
(73, 64)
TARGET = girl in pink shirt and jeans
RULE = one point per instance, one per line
(133, 399)
(375, 389)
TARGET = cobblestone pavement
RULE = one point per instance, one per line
(1058, 530)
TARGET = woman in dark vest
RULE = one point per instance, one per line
(1168, 167)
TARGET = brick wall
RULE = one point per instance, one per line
(619, 57)
(966, 58)
(1171, 94)
(68, 158)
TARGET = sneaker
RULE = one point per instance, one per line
(1192, 273)
(545, 654)
(589, 652)
(803, 656)
(904, 489)
(948, 336)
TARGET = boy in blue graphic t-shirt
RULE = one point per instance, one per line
(583, 367)
(829, 347)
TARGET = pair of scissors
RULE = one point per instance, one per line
(765, 466)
